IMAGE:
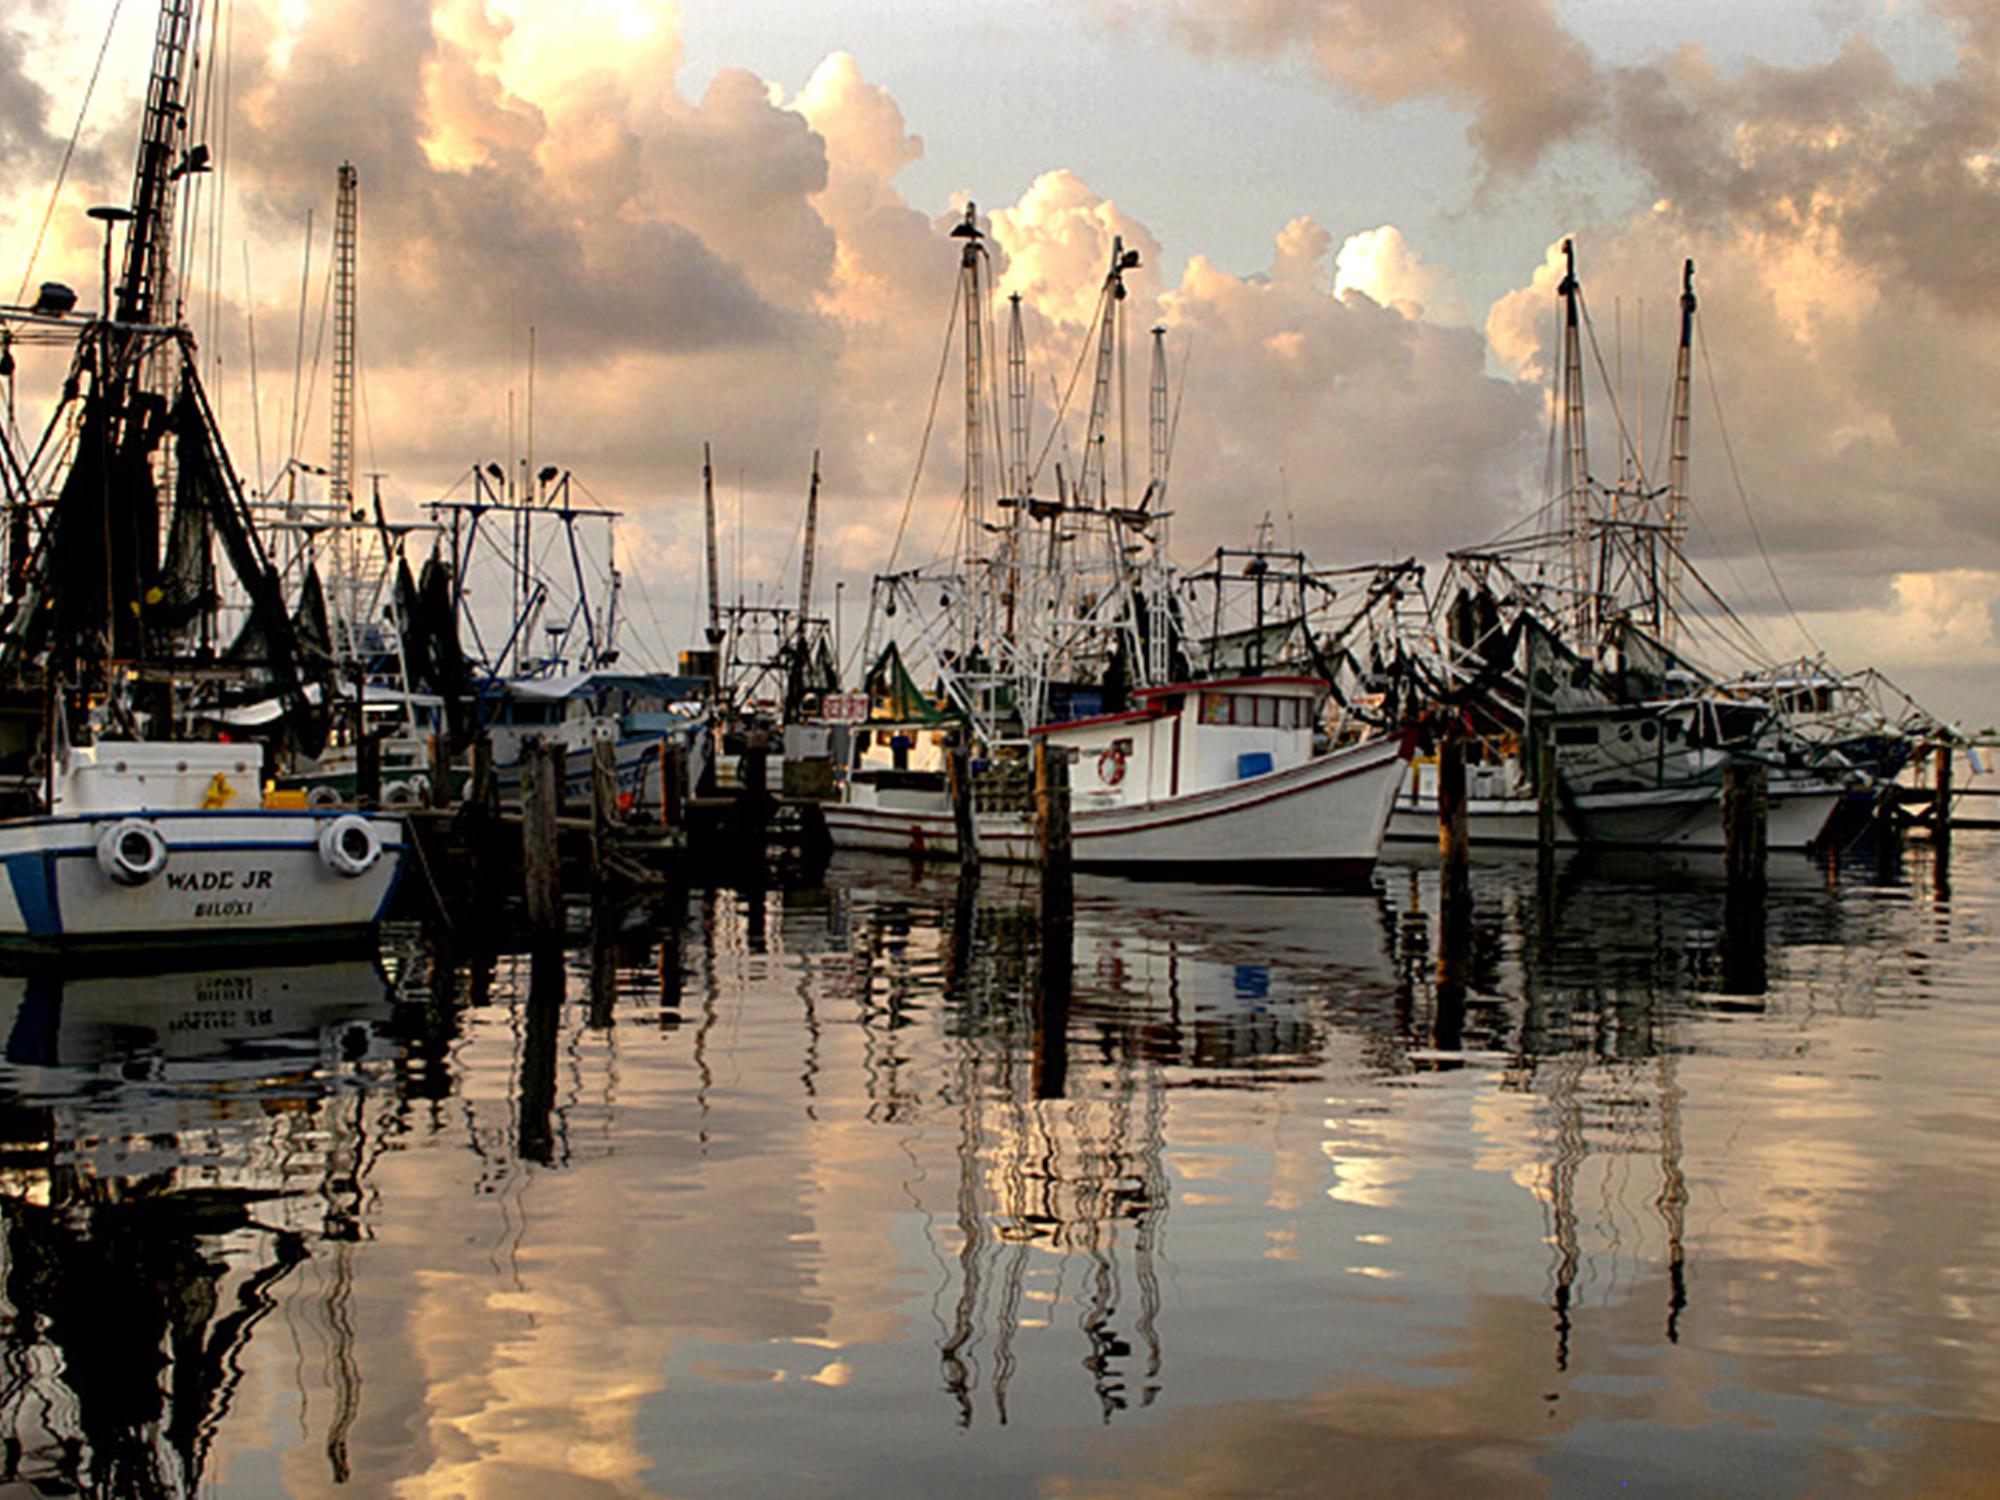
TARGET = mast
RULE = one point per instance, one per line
(1576, 461)
(714, 571)
(1157, 664)
(1092, 487)
(973, 499)
(1678, 463)
(342, 462)
(144, 288)
(811, 542)
(1019, 481)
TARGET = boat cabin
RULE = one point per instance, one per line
(1191, 737)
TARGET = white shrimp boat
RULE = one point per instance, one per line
(1199, 778)
(1061, 626)
(164, 844)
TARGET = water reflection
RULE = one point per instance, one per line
(1378, 1181)
(173, 1145)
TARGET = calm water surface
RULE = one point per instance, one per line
(819, 1193)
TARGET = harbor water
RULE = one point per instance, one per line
(1595, 1187)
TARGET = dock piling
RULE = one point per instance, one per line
(541, 870)
(959, 769)
(1454, 838)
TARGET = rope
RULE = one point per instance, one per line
(69, 151)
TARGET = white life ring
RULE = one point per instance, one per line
(409, 792)
(131, 851)
(350, 845)
(1111, 766)
(322, 797)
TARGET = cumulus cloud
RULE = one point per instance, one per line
(1527, 81)
(1383, 266)
(1896, 177)
(1366, 430)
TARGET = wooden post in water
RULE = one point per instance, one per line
(541, 869)
(1744, 819)
(966, 828)
(536, 1087)
(1454, 840)
(1052, 831)
(1941, 803)
(1545, 795)
(1051, 1002)
(603, 809)
(754, 802)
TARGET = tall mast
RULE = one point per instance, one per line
(1157, 437)
(1017, 401)
(145, 287)
(973, 501)
(341, 483)
(1092, 487)
(1157, 664)
(1018, 481)
(1678, 464)
(811, 542)
(714, 571)
(1576, 460)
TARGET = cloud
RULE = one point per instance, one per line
(1381, 265)
(1527, 81)
(1897, 177)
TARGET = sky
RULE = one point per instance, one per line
(725, 223)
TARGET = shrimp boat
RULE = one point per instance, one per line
(1562, 649)
(118, 829)
(1060, 625)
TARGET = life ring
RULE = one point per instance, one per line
(322, 797)
(131, 851)
(1111, 766)
(409, 792)
(350, 845)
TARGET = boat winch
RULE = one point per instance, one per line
(131, 851)
(350, 845)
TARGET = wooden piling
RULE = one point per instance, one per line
(603, 810)
(1941, 803)
(1545, 795)
(536, 1090)
(674, 796)
(1454, 838)
(753, 776)
(1052, 831)
(959, 769)
(1051, 1002)
(1745, 814)
(541, 869)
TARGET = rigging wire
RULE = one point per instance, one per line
(1743, 495)
(69, 151)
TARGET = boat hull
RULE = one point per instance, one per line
(1320, 820)
(1686, 818)
(253, 876)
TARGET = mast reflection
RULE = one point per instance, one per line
(176, 1146)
